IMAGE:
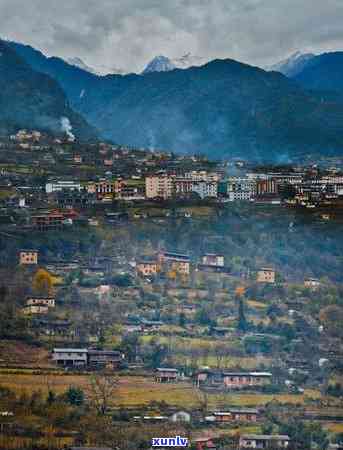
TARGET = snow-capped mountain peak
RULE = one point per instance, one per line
(77, 62)
(97, 70)
(159, 64)
(164, 64)
(292, 65)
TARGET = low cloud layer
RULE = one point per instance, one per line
(128, 33)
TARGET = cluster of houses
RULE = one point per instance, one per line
(221, 379)
(136, 175)
(130, 174)
(179, 263)
(81, 358)
(161, 263)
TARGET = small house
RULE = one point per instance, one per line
(236, 415)
(147, 268)
(177, 262)
(28, 257)
(35, 309)
(70, 357)
(239, 380)
(266, 275)
(41, 301)
(312, 283)
(181, 417)
(166, 375)
(264, 441)
(99, 359)
(204, 443)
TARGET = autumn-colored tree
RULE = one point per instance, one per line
(172, 275)
(240, 291)
(42, 282)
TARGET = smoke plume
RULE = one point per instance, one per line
(66, 128)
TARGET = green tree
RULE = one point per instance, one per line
(75, 396)
(242, 322)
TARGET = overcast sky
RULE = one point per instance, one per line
(128, 33)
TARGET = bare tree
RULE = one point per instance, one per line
(221, 353)
(203, 399)
(103, 388)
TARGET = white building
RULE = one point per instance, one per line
(241, 188)
(202, 175)
(212, 259)
(70, 356)
(263, 441)
(205, 189)
(58, 186)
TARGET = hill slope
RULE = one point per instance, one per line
(223, 108)
(324, 72)
(29, 99)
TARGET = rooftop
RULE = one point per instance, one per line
(251, 374)
(266, 437)
(70, 350)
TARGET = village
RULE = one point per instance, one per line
(163, 294)
(59, 181)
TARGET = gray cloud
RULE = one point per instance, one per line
(128, 33)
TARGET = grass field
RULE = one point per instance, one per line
(19, 353)
(139, 391)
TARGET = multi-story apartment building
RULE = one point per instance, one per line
(186, 185)
(202, 175)
(183, 186)
(205, 189)
(241, 188)
(176, 261)
(130, 190)
(212, 259)
(266, 187)
(102, 188)
(159, 186)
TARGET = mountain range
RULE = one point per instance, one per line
(223, 108)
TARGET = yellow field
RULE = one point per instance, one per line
(334, 427)
(136, 391)
(256, 304)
